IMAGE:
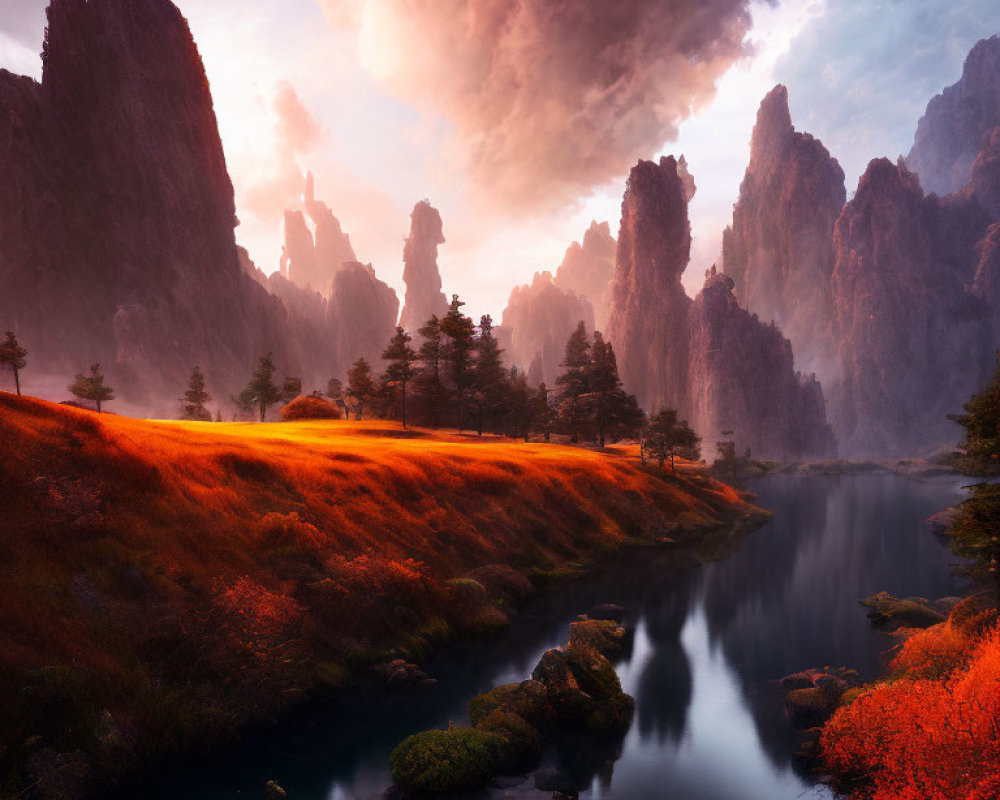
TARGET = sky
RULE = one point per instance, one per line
(519, 119)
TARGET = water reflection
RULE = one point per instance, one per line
(710, 640)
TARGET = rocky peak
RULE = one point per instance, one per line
(424, 297)
(779, 249)
(333, 245)
(587, 269)
(957, 122)
(648, 320)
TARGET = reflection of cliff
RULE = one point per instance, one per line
(788, 599)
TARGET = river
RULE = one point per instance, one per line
(710, 641)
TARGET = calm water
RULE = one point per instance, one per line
(710, 640)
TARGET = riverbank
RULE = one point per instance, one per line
(167, 584)
(927, 727)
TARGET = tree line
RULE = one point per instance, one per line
(452, 376)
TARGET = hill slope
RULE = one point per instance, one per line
(164, 583)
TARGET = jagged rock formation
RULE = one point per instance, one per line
(779, 249)
(364, 310)
(538, 321)
(117, 221)
(587, 269)
(913, 343)
(311, 262)
(424, 297)
(649, 310)
(743, 380)
(117, 213)
(986, 285)
(953, 130)
(715, 363)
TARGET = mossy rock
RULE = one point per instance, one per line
(523, 741)
(528, 700)
(612, 716)
(605, 636)
(443, 762)
(809, 708)
(593, 672)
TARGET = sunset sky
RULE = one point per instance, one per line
(506, 120)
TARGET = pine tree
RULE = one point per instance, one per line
(488, 374)
(981, 421)
(261, 393)
(195, 397)
(400, 370)
(574, 382)
(429, 381)
(604, 385)
(666, 436)
(91, 387)
(290, 389)
(458, 352)
(14, 356)
(360, 385)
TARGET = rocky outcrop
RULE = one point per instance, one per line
(742, 380)
(913, 342)
(986, 285)
(363, 310)
(954, 128)
(117, 214)
(537, 323)
(649, 308)
(587, 269)
(311, 260)
(779, 249)
(424, 297)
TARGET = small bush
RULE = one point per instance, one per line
(309, 407)
(441, 762)
(523, 742)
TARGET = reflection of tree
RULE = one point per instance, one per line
(663, 694)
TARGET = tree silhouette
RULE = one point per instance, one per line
(195, 397)
(400, 370)
(429, 381)
(360, 385)
(14, 356)
(574, 381)
(458, 352)
(290, 389)
(261, 393)
(981, 421)
(666, 436)
(91, 387)
(488, 374)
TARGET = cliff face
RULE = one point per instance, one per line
(538, 321)
(587, 270)
(952, 132)
(116, 239)
(424, 297)
(309, 261)
(742, 380)
(913, 342)
(363, 310)
(711, 360)
(649, 308)
(779, 249)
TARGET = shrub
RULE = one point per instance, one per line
(441, 762)
(309, 407)
(935, 652)
(522, 741)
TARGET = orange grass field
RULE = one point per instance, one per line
(165, 582)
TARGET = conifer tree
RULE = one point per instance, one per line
(666, 436)
(429, 380)
(195, 397)
(261, 393)
(12, 355)
(488, 376)
(91, 387)
(360, 385)
(574, 383)
(981, 421)
(400, 370)
(290, 389)
(458, 351)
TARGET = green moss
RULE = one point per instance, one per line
(527, 700)
(455, 760)
(523, 742)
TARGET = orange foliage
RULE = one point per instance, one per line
(191, 575)
(932, 653)
(923, 739)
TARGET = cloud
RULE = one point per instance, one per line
(297, 133)
(549, 98)
(23, 21)
(882, 61)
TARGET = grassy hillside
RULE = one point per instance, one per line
(164, 583)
